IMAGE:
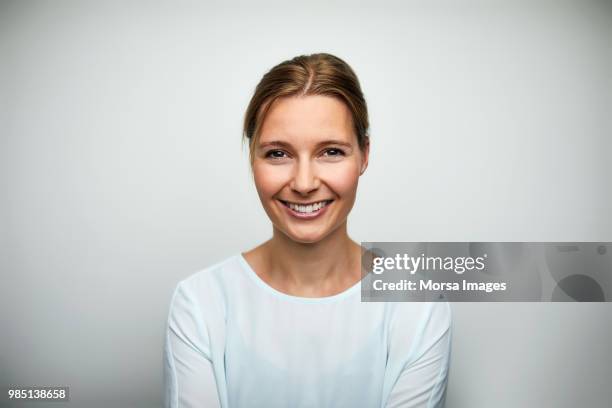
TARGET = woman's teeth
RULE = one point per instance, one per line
(307, 208)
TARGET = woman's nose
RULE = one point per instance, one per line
(305, 180)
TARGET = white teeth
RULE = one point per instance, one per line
(307, 208)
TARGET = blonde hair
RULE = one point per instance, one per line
(315, 74)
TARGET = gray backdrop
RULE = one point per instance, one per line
(122, 172)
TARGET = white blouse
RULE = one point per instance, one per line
(234, 341)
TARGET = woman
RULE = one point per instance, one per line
(283, 325)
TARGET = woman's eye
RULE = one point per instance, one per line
(333, 152)
(276, 154)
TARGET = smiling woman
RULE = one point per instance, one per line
(283, 325)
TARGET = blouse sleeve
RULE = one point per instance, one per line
(423, 379)
(189, 380)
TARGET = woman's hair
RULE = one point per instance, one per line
(315, 74)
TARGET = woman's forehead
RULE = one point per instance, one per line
(309, 119)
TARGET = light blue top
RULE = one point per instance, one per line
(234, 341)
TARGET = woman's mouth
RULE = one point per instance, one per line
(306, 210)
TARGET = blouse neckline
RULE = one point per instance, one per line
(325, 299)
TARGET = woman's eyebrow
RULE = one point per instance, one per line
(335, 142)
(274, 143)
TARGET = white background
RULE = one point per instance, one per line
(122, 172)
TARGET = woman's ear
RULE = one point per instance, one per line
(365, 153)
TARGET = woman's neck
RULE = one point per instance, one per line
(324, 268)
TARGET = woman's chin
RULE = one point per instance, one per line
(305, 236)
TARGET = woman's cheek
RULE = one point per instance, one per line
(270, 179)
(343, 178)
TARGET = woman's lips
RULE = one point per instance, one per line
(304, 215)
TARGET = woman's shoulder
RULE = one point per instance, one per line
(219, 270)
(211, 283)
(420, 315)
(199, 305)
(417, 319)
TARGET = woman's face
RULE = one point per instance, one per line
(306, 166)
